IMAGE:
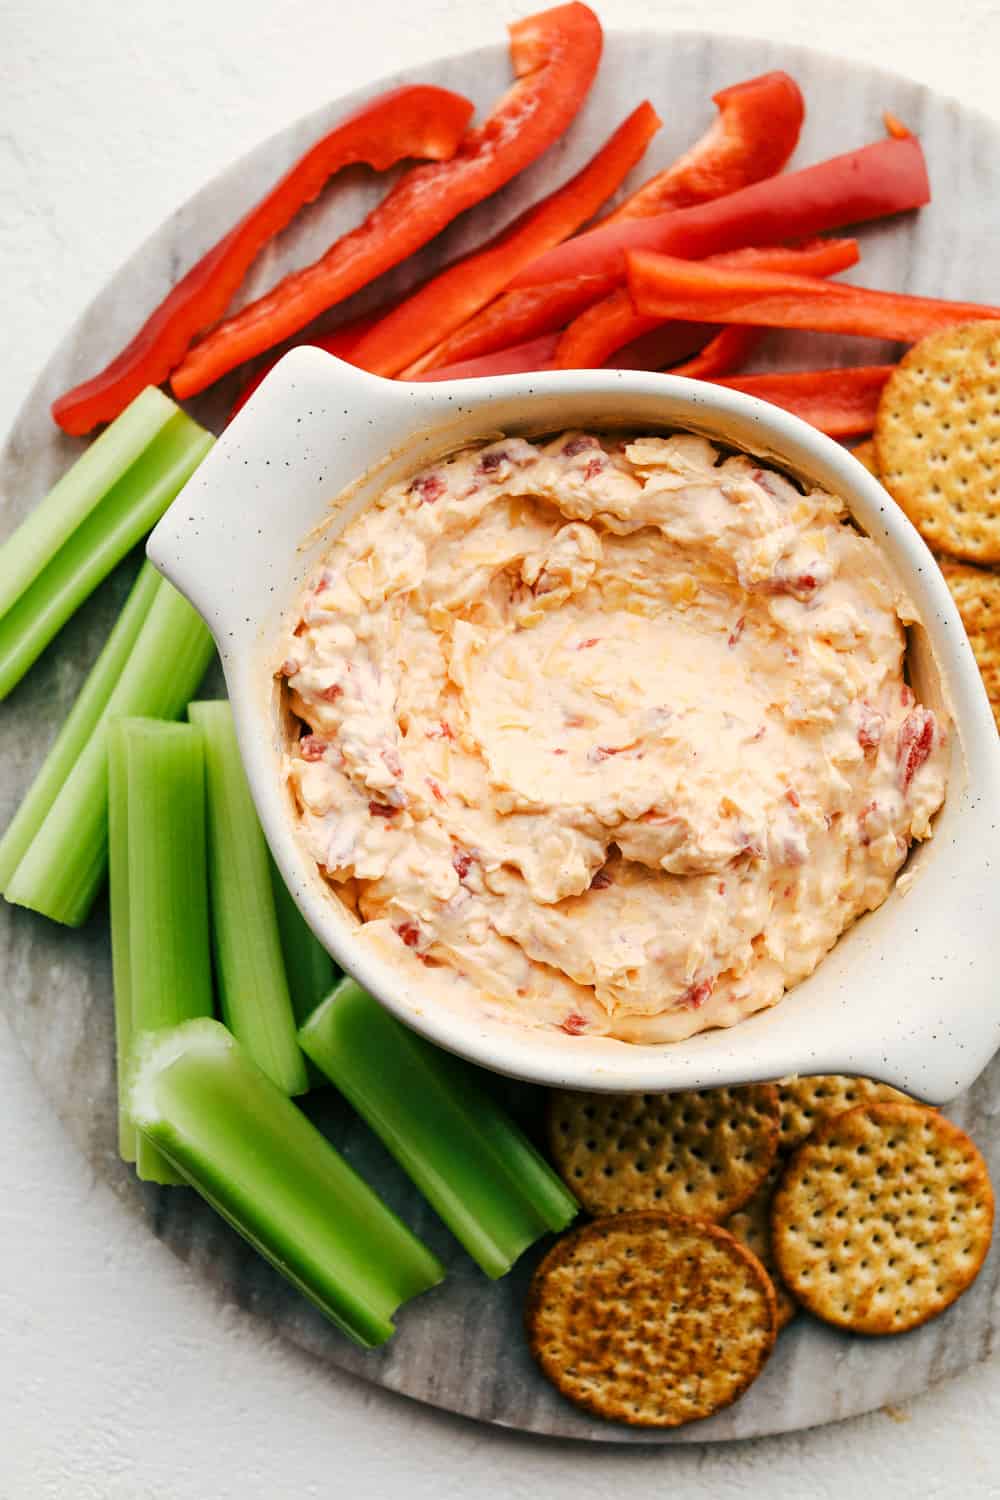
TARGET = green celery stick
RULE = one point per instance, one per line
(128, 511)
(80, 724)
(257, 1159)
(310, 969)
(474, 1166)
(62, 871)
(118, 901)
(169, 963)
(40, 535)
(256, 1005)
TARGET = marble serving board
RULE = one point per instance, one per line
(461, 1346)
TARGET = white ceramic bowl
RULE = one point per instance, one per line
(909, 994)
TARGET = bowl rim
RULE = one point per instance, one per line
(399, 414)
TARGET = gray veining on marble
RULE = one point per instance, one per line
(460, 1347)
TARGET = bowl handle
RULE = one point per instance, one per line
(217, 543)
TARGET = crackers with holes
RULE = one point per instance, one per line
(937, 440)
(882, 1218)
(702, 1153)
(751, 1225)
(977, 594)
(806, 1102)
(651, 1319)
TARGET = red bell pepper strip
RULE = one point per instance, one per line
(419, 121)
(729, 349)
(663, 347)
(885, 178)
(443, 304)
(554, 56)
(526, 314)
(519, 359)
(842, 403)
(340, 342)
(752, 137)
(755, 133)
(595, 335)
(663, 286)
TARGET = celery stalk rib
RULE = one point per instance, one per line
(310, 969)
(253, 987)
(118, 902)
(257, 1159)
(169, 956)
(64, 866)
(80, 724)
(471, 1162)
(127, 512)
(43, 531)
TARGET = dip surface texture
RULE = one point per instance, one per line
(612, 731)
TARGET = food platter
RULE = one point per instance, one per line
(460, 1347)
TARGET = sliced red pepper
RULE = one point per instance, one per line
(841, 403)
(340, 342)
(443, 304)
(730, 348)
(419, 121)
(526, 314)
(888, 177)
(518, 359)
(754, 134)
(662, 347)
(595, 335)
(554, 56)
(666, 287)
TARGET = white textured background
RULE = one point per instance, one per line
(119, 1377)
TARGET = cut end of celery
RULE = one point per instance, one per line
(473, 1164)
(234, 1136)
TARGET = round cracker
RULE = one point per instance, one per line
(807, 1102)
(937, 440)
(882, 1218)
(701, 1152)
(651, 1319)
(977, 594)
(751, 1225)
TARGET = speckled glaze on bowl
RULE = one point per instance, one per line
(907, 995)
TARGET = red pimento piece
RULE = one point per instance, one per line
(574, 1024)
(695, 995)
(332, 693)
(429, 487)
(591, 640)
(410, 933)
(311, 747)
(870, 727)
(382, 810)
(595, 467)
(490, 462)
(436, 791)
(461, 860)
(736, 632)
(792, 796)
(914, 744)
(582, 443)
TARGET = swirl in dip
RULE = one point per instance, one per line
(611, 732)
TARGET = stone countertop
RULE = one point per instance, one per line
(119, 1377)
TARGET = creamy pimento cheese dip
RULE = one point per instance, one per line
(612, 733)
